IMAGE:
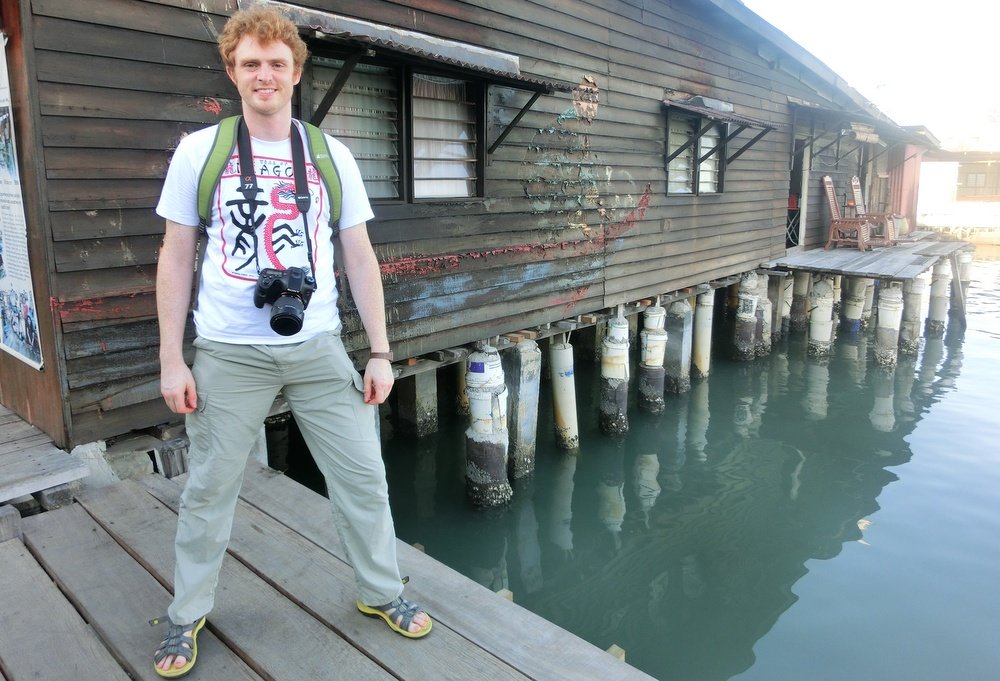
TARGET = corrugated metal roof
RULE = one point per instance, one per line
(504, 77)
(722, 116)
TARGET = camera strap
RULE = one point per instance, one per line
(248, 178)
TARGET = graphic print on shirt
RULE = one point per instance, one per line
(266, 229)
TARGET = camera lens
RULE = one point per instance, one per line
(286, 316)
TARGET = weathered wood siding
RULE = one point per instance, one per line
(576, 216)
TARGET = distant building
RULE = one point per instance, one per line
(960, 194)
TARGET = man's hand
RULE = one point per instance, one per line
(378, 380)
(178, 388)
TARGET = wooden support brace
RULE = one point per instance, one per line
(529, 333)
(55, 497)
(617, 652)
(10, 523)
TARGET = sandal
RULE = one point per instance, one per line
(400, 610)
(177, 643)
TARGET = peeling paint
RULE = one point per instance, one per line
(586, 99)
(211, 105)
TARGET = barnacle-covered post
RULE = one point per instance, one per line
(486, 438)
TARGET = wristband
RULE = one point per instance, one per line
(381, 355)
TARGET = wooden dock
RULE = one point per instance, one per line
(29, 461)
(914, 254)
(77, 591)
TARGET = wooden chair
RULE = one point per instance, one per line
(883, 227)
(854, 231)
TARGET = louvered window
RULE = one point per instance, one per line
(695, 167)
(414, 135)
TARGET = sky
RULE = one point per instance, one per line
(921, 63)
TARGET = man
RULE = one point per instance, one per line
(241, 363)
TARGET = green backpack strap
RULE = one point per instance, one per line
(218, 159)
(323, 160)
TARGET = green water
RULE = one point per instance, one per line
(788, 519)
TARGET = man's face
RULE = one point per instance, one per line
(265, 75)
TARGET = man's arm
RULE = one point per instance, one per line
(174, 276)
(366, 286)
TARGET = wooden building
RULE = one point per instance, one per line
(528, 162)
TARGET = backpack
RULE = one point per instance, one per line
(222, 151)
(218, 158)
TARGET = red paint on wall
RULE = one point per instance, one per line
(638, 213)
(211, 105)
(430, 265)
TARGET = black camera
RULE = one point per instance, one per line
(288, 292)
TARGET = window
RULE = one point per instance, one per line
(694, 167)
(415, 135)
(979, 181)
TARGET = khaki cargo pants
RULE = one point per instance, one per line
(236, 387)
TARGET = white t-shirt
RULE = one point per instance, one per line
(244, 239)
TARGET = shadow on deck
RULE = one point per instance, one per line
(76, 592)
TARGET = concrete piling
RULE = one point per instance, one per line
(762, 336)
(937, 315)
(561, 513)
(776, 294)
(746, 318)
(866, 312)
(799, 312)
(614, 378)
(788, 284)
(817, 381)
(417, 400)
(677, 362)
(702, 344)
(961, 280)
(486, 439)
(522, 368)
(910, 326)
(854, 305)
(653, 345)
(564, 393)
(890, 315)
(883, 413)
(821, 317)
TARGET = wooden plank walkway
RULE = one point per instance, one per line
(29, 461)
(904, 261)
(76, 594)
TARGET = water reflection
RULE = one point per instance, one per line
(682, 540)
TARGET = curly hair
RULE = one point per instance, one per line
(267, 25)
